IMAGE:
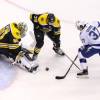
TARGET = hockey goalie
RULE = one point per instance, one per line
(10, 37)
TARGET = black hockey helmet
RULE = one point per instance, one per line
(80, 25)
(51, 18)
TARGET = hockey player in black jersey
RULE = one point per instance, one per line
(46, 24)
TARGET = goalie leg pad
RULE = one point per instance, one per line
(30, 66)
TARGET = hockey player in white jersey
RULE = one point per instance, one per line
(90, 37)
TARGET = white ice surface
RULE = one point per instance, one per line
(16, 84)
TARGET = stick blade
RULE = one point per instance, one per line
(59, 77)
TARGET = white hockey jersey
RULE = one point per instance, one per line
(90, 35)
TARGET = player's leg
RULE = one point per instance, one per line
(39, 36)
(83, 54)
(56, 43)
(4, 51)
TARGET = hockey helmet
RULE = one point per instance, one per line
(50, 18)
(23, 28)
(80, 25)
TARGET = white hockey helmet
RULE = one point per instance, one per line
(80, 25)
(23, 28)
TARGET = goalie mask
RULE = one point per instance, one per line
(80, 25)
(23, 28)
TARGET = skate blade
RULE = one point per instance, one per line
(83, 77)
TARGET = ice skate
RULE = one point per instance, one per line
(83, 74)
(58, 51)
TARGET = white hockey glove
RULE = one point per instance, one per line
(85, 47)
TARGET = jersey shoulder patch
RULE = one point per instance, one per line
(42, 19)
(56, 22)
(14, 30)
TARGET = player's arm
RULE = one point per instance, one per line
(3, 31)
(95, 24)
(16, 33)
(57, 26)
(56, 31)
(14, 41)
(34, 18)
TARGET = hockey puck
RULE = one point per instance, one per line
(47, 69)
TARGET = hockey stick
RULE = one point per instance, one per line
(71, 60)
(32, 36)
(62, 77)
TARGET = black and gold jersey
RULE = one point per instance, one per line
(10, 36)
(40, 22)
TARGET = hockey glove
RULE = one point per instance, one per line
(84, 47)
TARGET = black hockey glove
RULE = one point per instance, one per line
(85, 47)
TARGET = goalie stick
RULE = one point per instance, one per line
(62, 77)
